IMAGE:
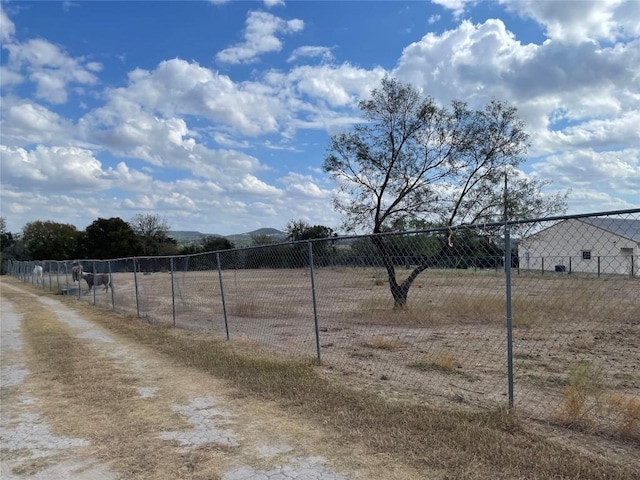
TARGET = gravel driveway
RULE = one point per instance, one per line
(262, 444)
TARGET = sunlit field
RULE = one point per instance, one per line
(575, 339)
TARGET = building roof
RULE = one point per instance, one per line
(624, 227)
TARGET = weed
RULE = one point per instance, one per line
(627, 408)
(442, 362)
(581, 395)
(383, 343)
(587, 377)
(359, 354)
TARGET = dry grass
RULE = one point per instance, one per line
(473, 445)
(558, 321)
(383, 343)
(627, 407)
(581, 397)
(100, 403)
(442, 362)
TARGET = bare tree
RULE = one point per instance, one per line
(153, 232)
(413, 160)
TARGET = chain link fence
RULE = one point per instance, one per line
(542, 315)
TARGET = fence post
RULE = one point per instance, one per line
(113, 298)
(66, 275)
(633, 273)
(507, 238)
(569, 265)
(313, 295)
(135, 283)
(173, 293)
(94, 282)
(543, 265)
(50, 282)
(224, 305)
(598, 266)
(58, 276)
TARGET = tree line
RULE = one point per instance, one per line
(107, 238)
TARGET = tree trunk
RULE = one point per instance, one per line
(400, 292)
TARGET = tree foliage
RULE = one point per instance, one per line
(300, 230)
(153, 235)
(108, 238)
(6, 238)
(47, 240)
(413, 161)
(213, 244)
(6, 243)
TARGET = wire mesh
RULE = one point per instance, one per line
(577, 323)
(420, 313)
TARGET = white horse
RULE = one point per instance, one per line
(37, 273)
(76, 273)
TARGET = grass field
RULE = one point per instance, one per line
(576, 359)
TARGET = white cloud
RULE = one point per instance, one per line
(584, 21)
(172, 201)
(225, 140)
(280, 103)
(50, 68)
(578, 100)
(52, 169)
(338, 86)
(163, 142)
(178, 87)
(67, 169)
(478, 62)
(7, 28)
(584, 201)
(273, 3)
(259, 37)
(576, 92)
(31, 206)
(9, 77)
(466, 62)
(25, 123)
(586, 169)
(305, 187)
(597, 134)
(310, 52)
(253, 185)
(457, 6)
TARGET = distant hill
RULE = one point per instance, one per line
(267, 231)
(189, 237)
(188, 233)
(246, 239)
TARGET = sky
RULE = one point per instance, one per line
(216, 115)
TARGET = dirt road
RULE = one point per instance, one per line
(148, 418)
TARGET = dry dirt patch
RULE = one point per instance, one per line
(461, 444)
(135, 415)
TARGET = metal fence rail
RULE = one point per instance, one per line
(540, 314)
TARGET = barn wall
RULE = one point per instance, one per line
(563, 245)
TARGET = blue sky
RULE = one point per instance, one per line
(216, 115)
